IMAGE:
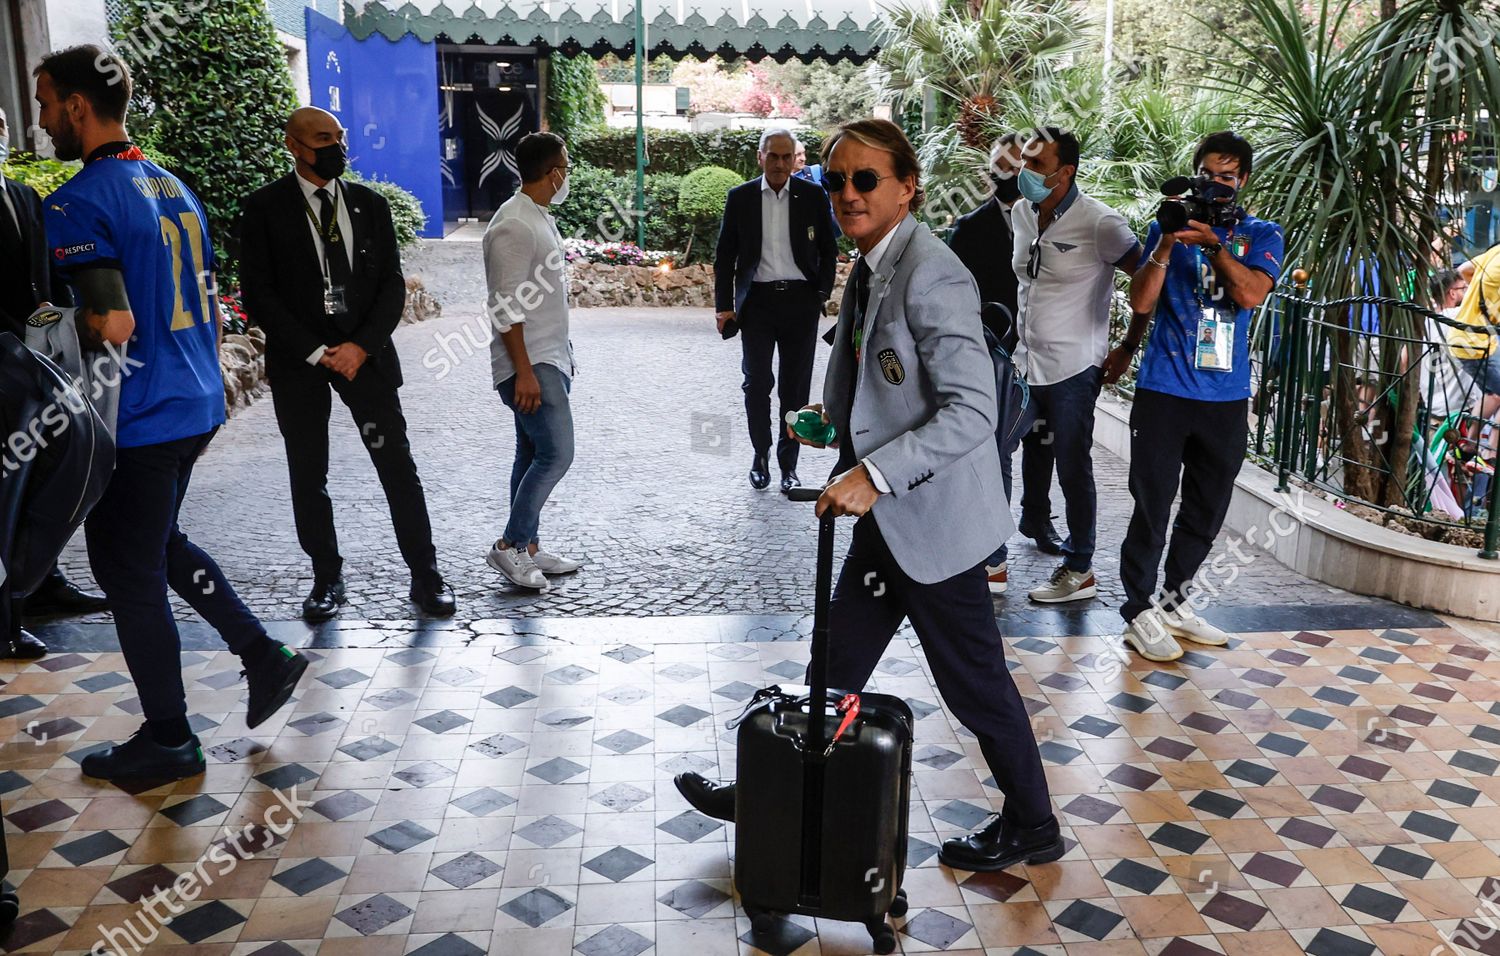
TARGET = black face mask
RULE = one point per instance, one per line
(330, 161)
(1007, 190)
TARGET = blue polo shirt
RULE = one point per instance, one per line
(1168, 365)
(125, 212)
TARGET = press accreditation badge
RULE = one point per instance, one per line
(1215, 342)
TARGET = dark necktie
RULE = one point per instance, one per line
(861, 289)
(848, 458)
(334, 252)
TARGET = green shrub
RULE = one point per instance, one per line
(678, 151)
(406, 209)
(701, 196)
(43, 175)
(589, 203)
(214, 92)
(701, 202)
(575, 101)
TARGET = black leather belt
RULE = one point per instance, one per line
(782, 285)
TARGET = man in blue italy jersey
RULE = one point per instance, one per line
(133, 243)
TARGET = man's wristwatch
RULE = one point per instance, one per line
(1213, 250)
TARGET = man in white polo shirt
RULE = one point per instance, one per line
(530, 356)
(1067, 248)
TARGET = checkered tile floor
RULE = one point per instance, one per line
(1325, 793)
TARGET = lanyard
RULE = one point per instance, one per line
(327, 236)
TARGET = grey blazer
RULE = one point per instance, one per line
(924, 412)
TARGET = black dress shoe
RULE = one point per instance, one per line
(24, 647)
(1044, 535)
(58, 595)
(272, 679)
(789, 480)
(999, 844)
(760, 473)
(708, 798)
(434, 598)
(141, 758)
(324, 600)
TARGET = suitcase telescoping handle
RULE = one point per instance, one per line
(817, 675)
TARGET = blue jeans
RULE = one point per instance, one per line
(1485, 372)
(137, 551)
(544, 452)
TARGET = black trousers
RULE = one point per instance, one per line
(773, 321)
(137, 551)
(955, 621)
(1203, 444)
(303, 399)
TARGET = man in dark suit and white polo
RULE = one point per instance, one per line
(322, 276)
(773, 270)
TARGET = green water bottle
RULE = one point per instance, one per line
(810, 425)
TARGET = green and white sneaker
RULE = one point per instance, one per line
(1066, 585)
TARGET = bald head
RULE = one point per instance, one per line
(316, 141)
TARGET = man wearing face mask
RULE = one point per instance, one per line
(1190, 417)
(321, 275)
(1067, 249)
(984, 241)
(531, 357)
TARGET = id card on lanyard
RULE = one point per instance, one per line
(1214, 341)
(334, 301)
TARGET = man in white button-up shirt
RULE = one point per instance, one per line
(530, 356)
(773, 270)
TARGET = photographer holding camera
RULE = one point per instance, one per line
(1210, 264)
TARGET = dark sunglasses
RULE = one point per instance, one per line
(1034, 263)
(865, 180)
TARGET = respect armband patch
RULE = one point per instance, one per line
(63, 252)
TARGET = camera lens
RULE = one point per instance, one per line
(1172, 216)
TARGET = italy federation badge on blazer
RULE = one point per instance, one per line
(890, 366)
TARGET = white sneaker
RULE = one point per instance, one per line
(551, 564)
(1183, 623)
(517, 565)
(999, 576)
(1148, 634)
(1066, 585)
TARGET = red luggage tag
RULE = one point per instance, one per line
(849, 707)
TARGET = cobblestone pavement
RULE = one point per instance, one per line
(657, 500)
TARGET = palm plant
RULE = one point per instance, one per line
(970, 50)
(1354, 143)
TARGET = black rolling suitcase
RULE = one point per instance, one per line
(820, 828)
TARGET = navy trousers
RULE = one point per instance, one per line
(955, 621)
(137, 550)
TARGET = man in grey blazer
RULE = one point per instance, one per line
(911, 390)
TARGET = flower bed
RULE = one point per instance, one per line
(601, 283)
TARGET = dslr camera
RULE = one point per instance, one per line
(1203, 200)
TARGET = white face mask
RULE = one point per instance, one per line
(4, 151)
(562, 192)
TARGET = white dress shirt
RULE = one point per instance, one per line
(873, 259)
(346, 229)
(525, 269)
(776, 260)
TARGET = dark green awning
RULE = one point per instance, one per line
(608, 26)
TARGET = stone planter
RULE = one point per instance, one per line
(599, 285)
(242, 358)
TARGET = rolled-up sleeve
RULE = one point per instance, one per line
(509, 258)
